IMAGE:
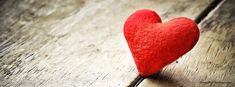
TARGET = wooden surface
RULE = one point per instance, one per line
(80, 43)
(212, 62)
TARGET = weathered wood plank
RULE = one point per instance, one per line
(212, 62)
(73, 43)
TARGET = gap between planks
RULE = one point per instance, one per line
(198, 19)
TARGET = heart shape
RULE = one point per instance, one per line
(154, 44)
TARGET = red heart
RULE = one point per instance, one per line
(154, 44)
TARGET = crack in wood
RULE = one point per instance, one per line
(205, 12)
(136, 81)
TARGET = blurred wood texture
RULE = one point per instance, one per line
(80, 43)
(211, 63)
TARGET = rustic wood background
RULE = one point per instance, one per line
(80, 43)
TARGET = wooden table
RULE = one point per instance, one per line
(80, 43)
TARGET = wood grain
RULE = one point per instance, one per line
(212, 62)
(77, 43)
